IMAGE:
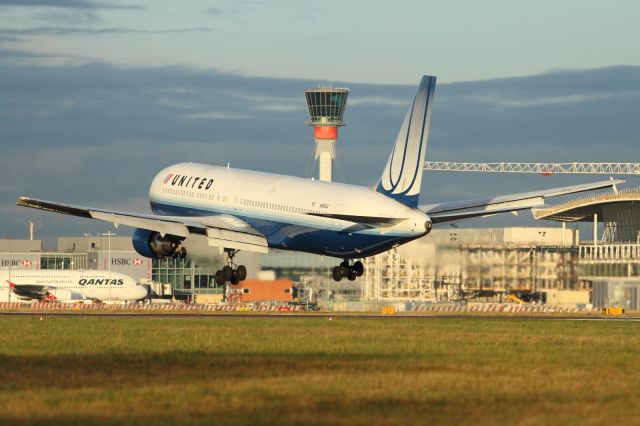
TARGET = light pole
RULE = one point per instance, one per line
(193, 284)
(108, 235)
(9, 283)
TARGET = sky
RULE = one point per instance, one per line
(354, 41)
(97, 96)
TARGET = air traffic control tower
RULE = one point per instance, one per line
(326, 108)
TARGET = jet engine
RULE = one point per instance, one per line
(63, 294)
(152, 244)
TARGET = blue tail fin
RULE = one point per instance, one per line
(402, 176)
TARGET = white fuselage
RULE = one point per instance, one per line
(286, 207)
(91, 284)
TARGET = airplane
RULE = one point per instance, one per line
(254, 211)
(69, 285)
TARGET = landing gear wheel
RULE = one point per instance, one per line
(228, 272)
(182, 253)
(220, 277)
(337, 273)
(359, 268)
(242, 272)
(345, 271)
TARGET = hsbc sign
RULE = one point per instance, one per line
(11, 263)
(20, 261)
(125, 261)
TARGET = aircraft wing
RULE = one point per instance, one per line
(225, 231)
(460, 210)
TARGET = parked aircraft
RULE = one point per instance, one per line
(68, 285)
(249, 210)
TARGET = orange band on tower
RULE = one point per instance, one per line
(326, 132)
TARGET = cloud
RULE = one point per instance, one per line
(250, 2)
(95, 134)
(281, 107)
(70, 4)
(325, 36)
(265, 102)
(69, 17)
(94, 31)
(8, 38)
(378, 100)
(231, 13)
(233, 10)
(24, 58)
(214, 115)
(215, 11)
(69, 12)
(534, 102)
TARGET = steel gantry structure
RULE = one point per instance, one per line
(545, 169)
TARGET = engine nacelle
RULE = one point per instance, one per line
(152, 244)
(63, 294)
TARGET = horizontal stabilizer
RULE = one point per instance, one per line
(460, 210)
(452, 217)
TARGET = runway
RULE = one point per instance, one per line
(310, 315)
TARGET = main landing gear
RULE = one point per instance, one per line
(346, 270)
(179, 252)
(230, 272)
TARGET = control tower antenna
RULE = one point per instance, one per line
(326, 109)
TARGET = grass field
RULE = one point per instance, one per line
(315, 371)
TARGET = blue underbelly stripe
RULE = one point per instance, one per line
(286, 236)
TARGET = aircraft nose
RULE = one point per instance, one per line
(141, 292)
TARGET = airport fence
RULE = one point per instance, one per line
(148, 307)
(354, 307)
(414, 307)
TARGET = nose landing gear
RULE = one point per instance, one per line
(230, 272)
(346, 270)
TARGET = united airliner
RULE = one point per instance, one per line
(248, 210)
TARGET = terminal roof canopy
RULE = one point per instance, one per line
(583, 209)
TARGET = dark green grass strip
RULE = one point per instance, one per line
(317, 371)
